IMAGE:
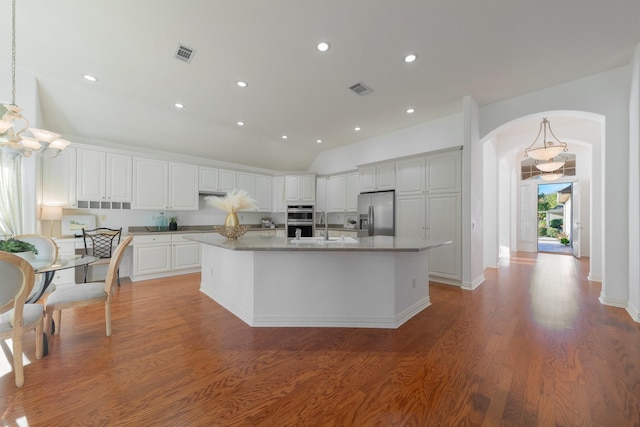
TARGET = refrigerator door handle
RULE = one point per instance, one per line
(371, 221)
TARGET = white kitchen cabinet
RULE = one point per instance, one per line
(337, 193)
(245, 181)
(261, 232)
(59, 180)
(410, 176)
(380, 177)
(300, 188)
(321, 194)
(164, 185)
(353, 189)
(262, 195)
(411, 216)
(103, 176)
(215, 180)
(281, 233)
(278, 202)
(160, 255)
(443, 172)
(444, 223)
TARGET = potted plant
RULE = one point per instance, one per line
(173, 223)
(21, 248)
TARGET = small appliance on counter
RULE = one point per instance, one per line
(267, 223)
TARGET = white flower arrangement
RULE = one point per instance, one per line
(235, 200)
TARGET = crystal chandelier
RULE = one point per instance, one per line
(13, 124)
(549, 149)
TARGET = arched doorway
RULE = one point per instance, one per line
(510, 202)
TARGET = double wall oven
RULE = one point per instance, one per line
(300, 217)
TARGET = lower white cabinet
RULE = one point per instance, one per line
(261, 232)
(160, 255)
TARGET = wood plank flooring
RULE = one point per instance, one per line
(531, 346)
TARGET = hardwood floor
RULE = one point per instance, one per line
(531, 346)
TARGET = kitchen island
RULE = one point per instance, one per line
(373, 282)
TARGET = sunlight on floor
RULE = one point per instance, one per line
(554, 302)
(6, 359)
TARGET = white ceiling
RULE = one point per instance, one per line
(490, 49)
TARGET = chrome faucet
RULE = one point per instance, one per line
(323, 215)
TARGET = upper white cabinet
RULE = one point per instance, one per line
(103, 176)
(300, 188)
(164, 185)
(263, 186)
(379, 177)
(278, 202)
(444, 174)
(410, 176)
(337, 193)
(431, 174)
(258, 187)
(59, 179)
(353, 189)
(321, 193)
(216, 180)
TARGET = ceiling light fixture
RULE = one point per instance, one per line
(178, 105)
(410, 58)
(13, 124)
(90, 78)
(410, 111)
(357, 128)
(551, 164)
(549, 149)
(284, 137)
(319, 141)
(240, 123)
(551, 176)
(323, 46)
(240, 83)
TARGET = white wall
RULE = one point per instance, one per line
(435, 135)
(633, 306)
(490, 205)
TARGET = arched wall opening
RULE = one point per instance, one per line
(503, 150)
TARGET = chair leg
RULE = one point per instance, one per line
(48, 320)
(86, 270)
(57, 318)
(39, 339)
(107, 317)
(118, 276)
(17, 361)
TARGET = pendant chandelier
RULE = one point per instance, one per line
(548, 149)
(551, 164)
(13, 124)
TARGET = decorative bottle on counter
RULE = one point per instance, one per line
(161, 222)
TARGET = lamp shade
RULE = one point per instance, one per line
(51, 213)
(550, 166)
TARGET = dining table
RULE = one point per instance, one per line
(48, 269)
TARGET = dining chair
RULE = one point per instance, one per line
(100, 242)
(84, 294)
(16, 317)
(47, 253)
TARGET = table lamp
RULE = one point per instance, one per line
(51, 213)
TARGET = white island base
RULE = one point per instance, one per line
(371, 289)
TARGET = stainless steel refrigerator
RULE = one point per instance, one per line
(376, 214)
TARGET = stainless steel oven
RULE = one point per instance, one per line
(300, 217)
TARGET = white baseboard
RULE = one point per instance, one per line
(474, 283)
(594, 278)
(613, 302)
(634, 312)
(445, 281)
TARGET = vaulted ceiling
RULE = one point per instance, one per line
(490, 49)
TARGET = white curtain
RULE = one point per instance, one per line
(10, 194)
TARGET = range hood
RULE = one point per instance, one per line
(212, 193)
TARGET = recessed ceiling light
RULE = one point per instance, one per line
(410, 58)
(178, 105)
(240, 83)
(240, 123)
(410, 111)
(323, 46)
(284, 137)
(319, 141)
(90, 78)
(357, 128)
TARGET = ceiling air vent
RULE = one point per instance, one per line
(184, 53)
(361, 89)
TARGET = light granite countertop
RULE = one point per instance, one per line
(362, 244)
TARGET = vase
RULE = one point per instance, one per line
(231, 220)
